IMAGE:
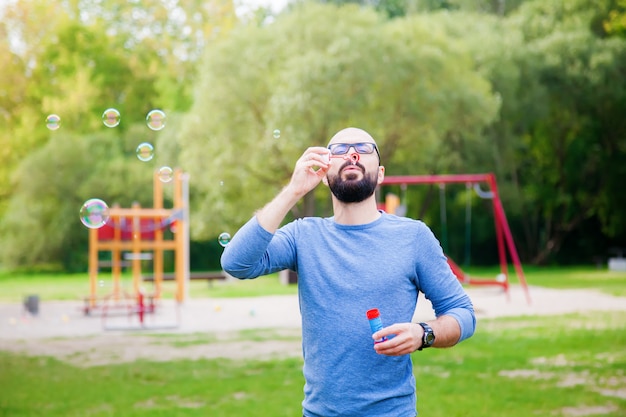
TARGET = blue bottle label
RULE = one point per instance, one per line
(376, 324)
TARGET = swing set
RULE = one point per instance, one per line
(503, 233)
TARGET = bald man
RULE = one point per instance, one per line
(359, 259)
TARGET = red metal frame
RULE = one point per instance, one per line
(503, 232)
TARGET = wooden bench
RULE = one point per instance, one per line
(208, 276)
(109, 264)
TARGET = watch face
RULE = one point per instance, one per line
(429, 336)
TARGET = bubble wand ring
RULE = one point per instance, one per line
(353, 157)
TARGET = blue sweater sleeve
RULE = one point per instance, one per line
(440, 285)
(247, 254)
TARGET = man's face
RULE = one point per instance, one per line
(353, 182)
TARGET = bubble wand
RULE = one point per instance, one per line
(353, 157)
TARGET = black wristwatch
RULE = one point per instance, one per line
(429, 336)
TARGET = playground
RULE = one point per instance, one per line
(131, 236)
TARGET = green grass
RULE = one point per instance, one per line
(47, 387)
(542, 366)
(578, 277)
(14, 287)
(530, 366)
(515, 367)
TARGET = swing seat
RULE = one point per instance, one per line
(467, 280)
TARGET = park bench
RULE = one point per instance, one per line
(208, 276)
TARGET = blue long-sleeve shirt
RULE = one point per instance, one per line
(343, 271)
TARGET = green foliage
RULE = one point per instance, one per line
(615, 23)
(531, 90)
(404, 82)
(42, 224)
(555, 148)
(76, 59)
(572, 142)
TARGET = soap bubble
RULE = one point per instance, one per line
(276, 133)
(94, 213)
(156, 119)
(166, 174)
(224, 239)
(145, 151)
(53, 122)
(111, 117)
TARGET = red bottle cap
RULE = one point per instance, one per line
(373, 313)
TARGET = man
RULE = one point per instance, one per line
(357, 260)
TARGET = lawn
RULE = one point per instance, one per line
(571, 365)
(609, 282)
(563, 366)
(14, 287)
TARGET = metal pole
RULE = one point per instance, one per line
(468, 223)
(185, 198)
(442, 215)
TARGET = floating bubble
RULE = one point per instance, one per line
(111, 118)
(224, 239)
(276, 134)
(53, 122)
(94, 213)
(166, 174)
(145, 151)
(156, 119)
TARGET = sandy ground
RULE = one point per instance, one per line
(211, 328)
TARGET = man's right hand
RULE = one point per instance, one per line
(309, 170)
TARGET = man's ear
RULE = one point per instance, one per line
(381, 174)
(325, 180)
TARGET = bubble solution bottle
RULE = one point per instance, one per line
(376, 323)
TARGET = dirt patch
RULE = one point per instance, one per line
(588, 411)
(108, 349)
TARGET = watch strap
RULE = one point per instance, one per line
(428, 338)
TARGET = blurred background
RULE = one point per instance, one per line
(531, 90)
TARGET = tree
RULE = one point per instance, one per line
(414, 90)
(41, 225)
(567, 165)
(24, 26)
(561, 91)
(77, 59)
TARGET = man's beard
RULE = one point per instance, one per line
(352, 191)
